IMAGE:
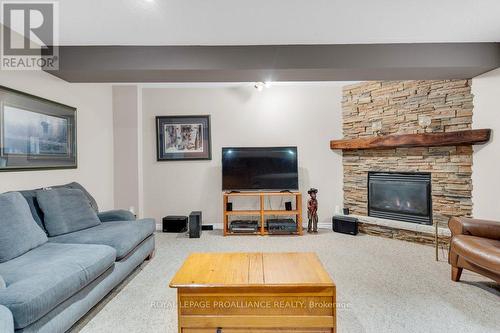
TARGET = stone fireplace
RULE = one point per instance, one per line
(398, 105)
(400, 196)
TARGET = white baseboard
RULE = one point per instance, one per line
(324, 225)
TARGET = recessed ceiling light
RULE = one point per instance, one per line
(261, 85)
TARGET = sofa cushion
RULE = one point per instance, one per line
(36, 211)
(483, 252)
(43, 278)
(123, 236)
(77, 186)
(6, 320)
(2, 283)
(19, 233)
(116, 215)
(66, 210)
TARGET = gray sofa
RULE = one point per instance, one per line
(56, 279)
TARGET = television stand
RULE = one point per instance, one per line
(262, 212)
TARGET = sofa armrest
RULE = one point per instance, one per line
(6, 320)
(474, 227)
(116, 215)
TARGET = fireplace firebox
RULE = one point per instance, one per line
(400, 196)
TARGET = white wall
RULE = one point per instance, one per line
(95, 135)
(486, 168)
(126, 151)
(307, 116)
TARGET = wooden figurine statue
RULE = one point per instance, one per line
(312, 211)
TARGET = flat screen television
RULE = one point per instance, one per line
(265, 168)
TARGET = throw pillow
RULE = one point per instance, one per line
(77, 186)
(66, 210)
(30, 197)
(19, 232)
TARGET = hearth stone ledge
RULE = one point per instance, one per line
(412, 232)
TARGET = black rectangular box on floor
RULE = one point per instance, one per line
(345, 224)
(195, 224)
(173, 223)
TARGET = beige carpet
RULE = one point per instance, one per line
(384, 286)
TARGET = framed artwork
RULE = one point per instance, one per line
(181, 138)
(35, 133)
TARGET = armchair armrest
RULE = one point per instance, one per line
(116, 215)
(6, 320)
(474, 227)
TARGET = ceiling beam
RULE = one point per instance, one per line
(340, 62)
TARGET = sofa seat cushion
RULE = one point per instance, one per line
(44, 277)
(483, 252)
(123, 236)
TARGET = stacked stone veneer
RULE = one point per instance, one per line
(398, 105)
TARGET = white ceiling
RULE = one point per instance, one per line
(246, 22)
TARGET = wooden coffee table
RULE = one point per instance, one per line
(254, 292)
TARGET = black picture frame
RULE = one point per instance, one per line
(36, 133)
(179, 145)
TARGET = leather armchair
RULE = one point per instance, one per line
(475, 245)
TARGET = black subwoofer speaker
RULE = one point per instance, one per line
(175, 223)
(345, 225)
(195, 224)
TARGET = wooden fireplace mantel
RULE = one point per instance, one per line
(458, 138)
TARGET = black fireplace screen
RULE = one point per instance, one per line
(400, 196)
